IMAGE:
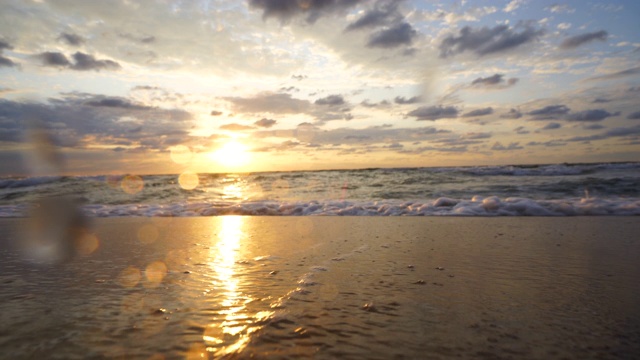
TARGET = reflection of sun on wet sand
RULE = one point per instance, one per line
(330, 287)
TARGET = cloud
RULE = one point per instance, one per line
(634, 116)
(521, 130)
(512, 146)
(575, 41)
(82, 120)
(215, 113)
(285, 10)
(552, 126)
(549, 112)
(616, 75)
(434, 112)
(86, 62)
(71, 39)
(560, 8)
(593, 127)
(600, 101)
(485, 41)
(83, 62)
(299, 77)
(403, 101)
(331, 100)
(382, 14)
(550, 143)
(591, 115)
(235, 127)
(397, 35)
(54, 59)
(265, 123)
(494, 82)
(612, 133)
(383, 103)
(479, 112)
(276, 103)
(513, 5)
(512, 114)
(5, 61)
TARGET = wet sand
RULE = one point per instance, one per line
(330, 287)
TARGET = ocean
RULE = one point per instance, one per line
(518, 190)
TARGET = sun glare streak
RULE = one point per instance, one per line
(237, 324)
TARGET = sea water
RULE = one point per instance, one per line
(525, 190)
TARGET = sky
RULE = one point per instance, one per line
(166, 86)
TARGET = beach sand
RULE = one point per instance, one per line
(329, 287)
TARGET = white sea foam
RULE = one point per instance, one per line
(476, 206)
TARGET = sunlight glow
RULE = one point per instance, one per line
(231, 154)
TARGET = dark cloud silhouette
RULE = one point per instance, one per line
(484, 41)
(397, 35)
(512, 114)
(215, 113)
(552, 126)
(512, 146)
(236, 127)
(434, 113)
(549, 112)
(86, 62)
(600, 101)
(331, 100)
(478, 112)
(383, 103)
(116, 102)
(71, 39)
(616, 75)
(265, 123)
(591, 115)
(494, 81)
(634, 116)
(54, 59)
(383, 13)
(403, 101)
(270, 102)
(299, 77)
(5, 61)
(575, 41)
(285, 10)
(612, 133)
(593, 127)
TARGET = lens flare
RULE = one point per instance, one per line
(132, 184)
(188, 180)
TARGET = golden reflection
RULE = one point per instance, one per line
(230, 333)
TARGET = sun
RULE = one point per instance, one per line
(231, 154)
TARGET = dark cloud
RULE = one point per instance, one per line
(383, 103)
(476, 136)
(479, 112)
(494, 81)
(552, 126)
(575, 41)
(484, 41)
(549, 112)
(593, 127)
(285, 10)
(71, 39)
(215, 113)
(612, 133)
(116, 102)
(146, 88)
(79, 120)
(397, 35)
(616, 75)
(86, 62)
(512, 146)
(236, 127)
(550, 143)
(270, 102)
(521, 130)
(600, 101)
(265, 123)
(331, 100)
(385, 12)
(54, 59)
(434, 112)
(512, 114)
(591, 115)
(634, 116)
(5, 61)
(403, 101)
(139, 38)
(299, 77)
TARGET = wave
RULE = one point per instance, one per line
(443, 206)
